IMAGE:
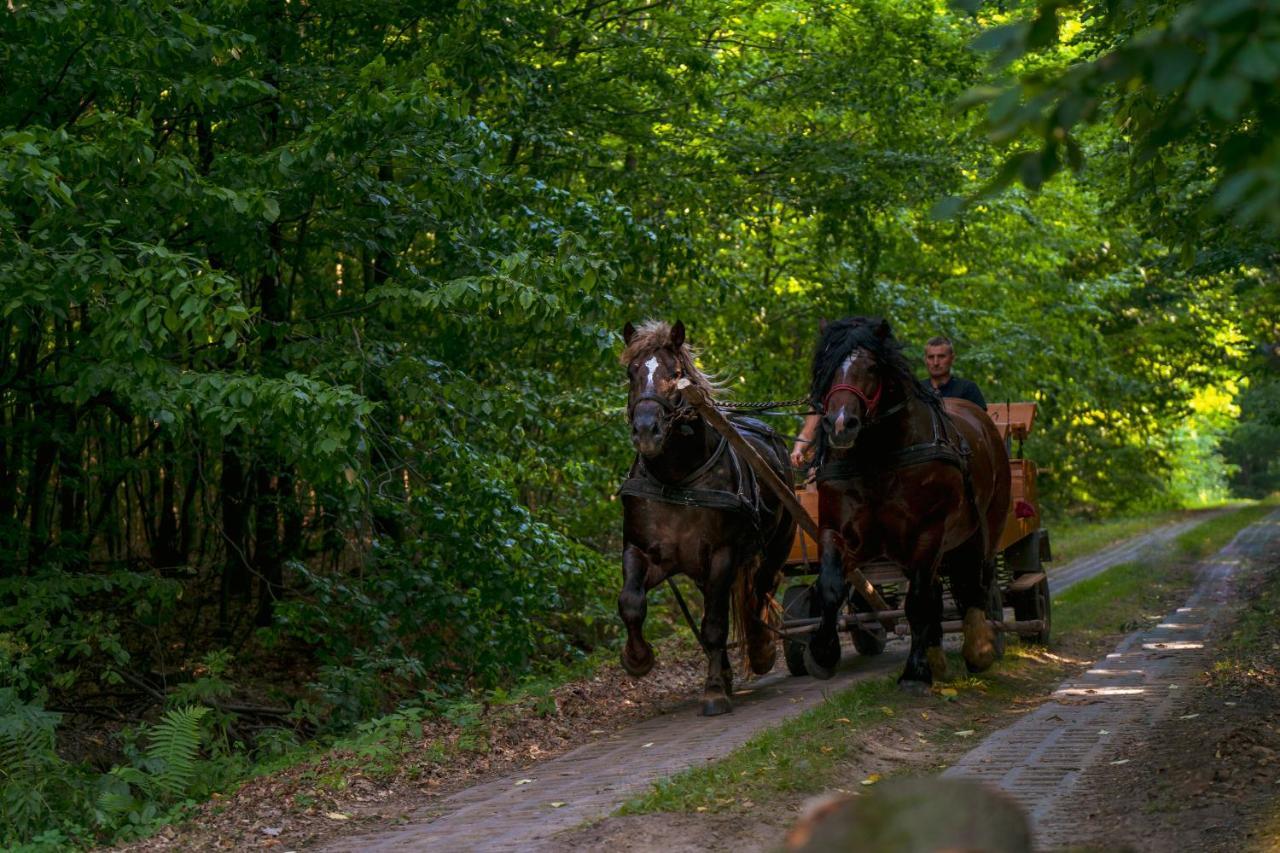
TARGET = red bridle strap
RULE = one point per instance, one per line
(870, 402)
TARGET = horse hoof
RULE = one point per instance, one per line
(816, 668)
(912, 687)
(637, 668)
(979, 641)
(982, 664)
(937, 663)
(715, 706)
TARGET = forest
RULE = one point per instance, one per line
(310, 407)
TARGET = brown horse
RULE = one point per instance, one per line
(691, 506)
(902, 477)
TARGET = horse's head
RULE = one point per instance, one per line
(848, 380)
(656, 359)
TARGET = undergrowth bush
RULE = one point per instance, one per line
(470, 597)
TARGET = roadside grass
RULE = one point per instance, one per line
(1254, 635)
(770, 763)
(813, 751)
(1074, 538)
(1206, 538)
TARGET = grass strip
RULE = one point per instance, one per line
(1076, 538)
(1212, 535)
(787, 758)
(810, 752)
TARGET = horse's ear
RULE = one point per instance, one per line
(677, 335)
(822, 325)
(882, 330)
(628, 331)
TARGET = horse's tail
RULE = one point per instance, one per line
(756, 613)
(743, 610)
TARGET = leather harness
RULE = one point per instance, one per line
(692, 491)
(943, 448)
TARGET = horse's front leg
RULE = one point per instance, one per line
(633, 604)
(922, 616)
(715, 632)
(823, 651)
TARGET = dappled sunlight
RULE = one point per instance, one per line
(1039, 653)
(1177, 645)
(1114, 672)
(1100, 691)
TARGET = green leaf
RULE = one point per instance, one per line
(1171, 67)
(1254, 62)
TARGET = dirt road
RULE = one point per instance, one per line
(524, 811)
(1105, 717)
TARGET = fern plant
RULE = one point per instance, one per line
(175, 750)
(34, 780)
(161, 775)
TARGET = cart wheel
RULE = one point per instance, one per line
(868, 639)
(796, 604)
(995, 611)
(1034, 604)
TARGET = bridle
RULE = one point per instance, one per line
(869, 403)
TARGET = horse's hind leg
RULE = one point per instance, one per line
(762, 641)
(715, 633)
(933, 646)
(971, 579)
(637, 654)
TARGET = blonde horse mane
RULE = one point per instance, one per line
(653, 335)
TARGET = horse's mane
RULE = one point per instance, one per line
(653, 335)
(843, 337)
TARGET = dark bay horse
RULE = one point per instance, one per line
(904, 477)
(691, 506)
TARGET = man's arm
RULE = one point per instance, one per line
(804, 443)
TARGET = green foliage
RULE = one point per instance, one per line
(308, 311)
(37, 787)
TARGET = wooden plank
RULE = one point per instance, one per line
(1029, 627)
(1013, 419)
(803, 548)
(784, 491)
(1022, 583)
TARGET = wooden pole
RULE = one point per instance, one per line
(785, 492)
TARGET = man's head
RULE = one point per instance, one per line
(938, 355)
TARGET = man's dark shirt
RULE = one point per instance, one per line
(957, 387)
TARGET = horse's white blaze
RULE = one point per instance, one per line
(840, 422)
(848, 363)
(652, 364)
